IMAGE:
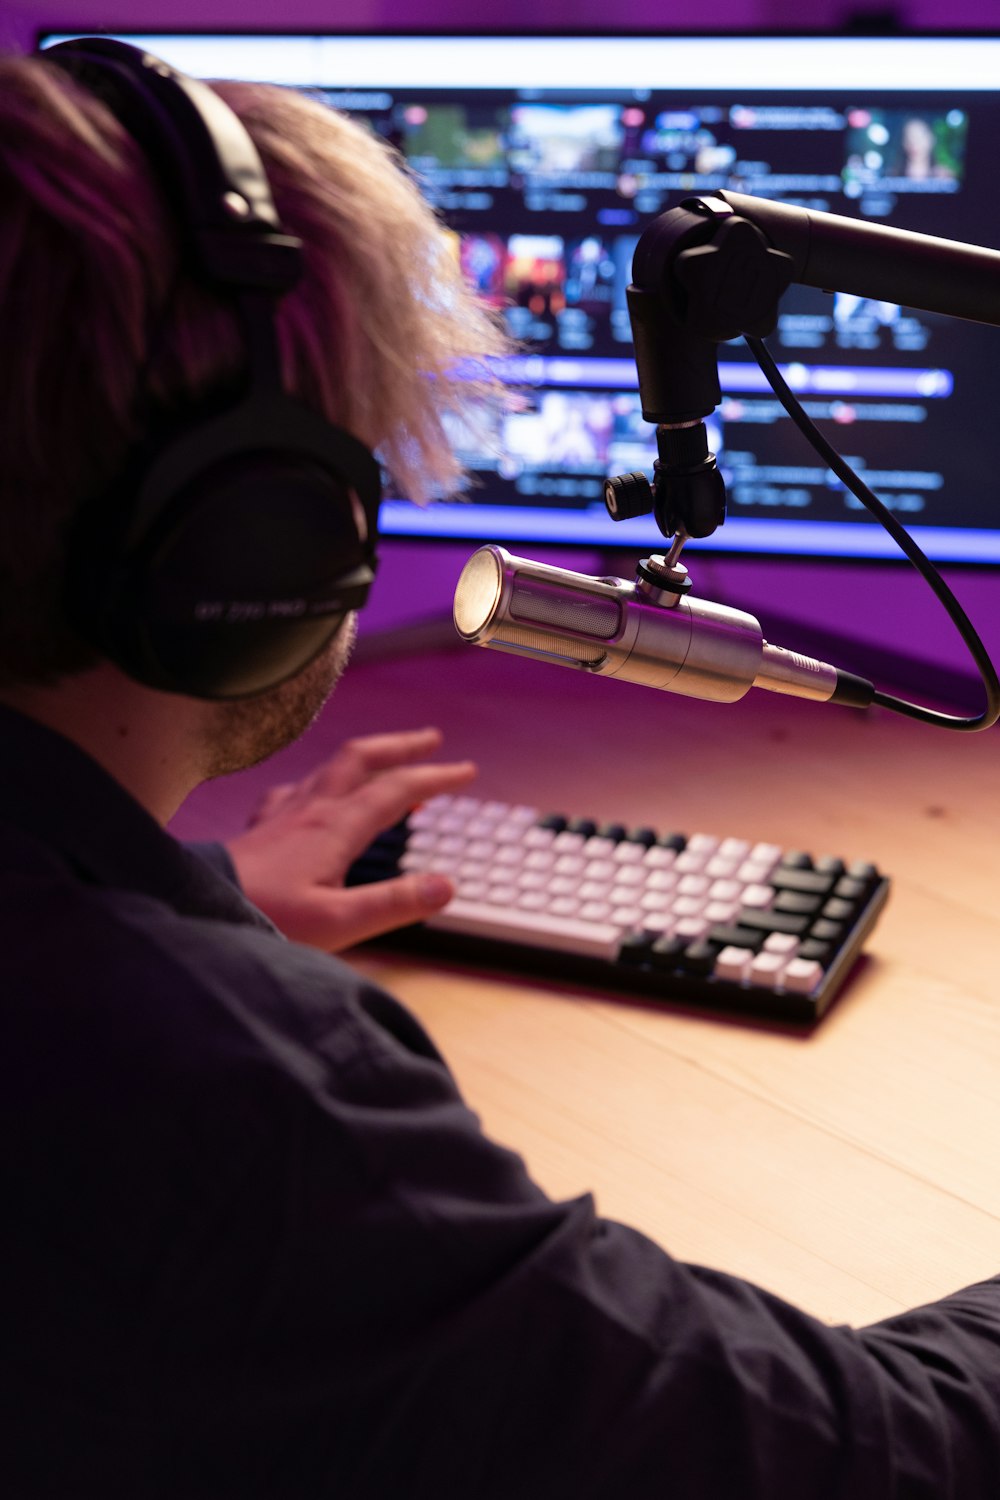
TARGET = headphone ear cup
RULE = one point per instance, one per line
(232, 556)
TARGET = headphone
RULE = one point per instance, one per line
(228, 552)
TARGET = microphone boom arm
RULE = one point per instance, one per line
(840, 254)
(716, 267)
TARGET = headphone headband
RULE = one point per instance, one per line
(209, 167)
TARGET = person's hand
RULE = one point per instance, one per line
(292, 860)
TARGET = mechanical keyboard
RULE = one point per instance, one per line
(722, 923)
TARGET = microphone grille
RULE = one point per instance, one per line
(582, 652)
(564, 608)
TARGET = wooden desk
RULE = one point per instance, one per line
(856, 1170)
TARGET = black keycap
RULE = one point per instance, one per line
(796, 859)
(585, 826)
(809, 882)
(699, 958)
(675, 841)
(367, 871)
(646, 836)
(773, 921)
(795, 901)
(838, 910)
(392, 842)
(666, 952)
(614, 831)
(379, 858)
(402, 831)
(555, 821)
(811, 948)
(635, 949)
(830, 865)
(862, 869)
(826, 931)
(849, 889)
(728, 935)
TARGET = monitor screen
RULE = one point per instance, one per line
(548, 155)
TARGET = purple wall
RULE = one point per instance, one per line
(19, 19)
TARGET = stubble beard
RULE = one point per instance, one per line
(247, 731)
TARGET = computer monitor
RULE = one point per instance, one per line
(549, 154)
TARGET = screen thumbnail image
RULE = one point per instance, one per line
(559, 431)
(539, 278)
(452, 137)
(687, 144)
(563, 140)
(535, 272)
(591, 273)
(904, 148)
(483, 258)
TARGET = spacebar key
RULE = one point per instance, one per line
(535, 928)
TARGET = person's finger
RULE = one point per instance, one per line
(273, 799)
(369, 755)
(315, 845)
(385, 799)
(366, 911)
(380, 751)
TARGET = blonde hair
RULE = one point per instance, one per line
(381, 334)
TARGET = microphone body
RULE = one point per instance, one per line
(614, 628)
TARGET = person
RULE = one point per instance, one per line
(255, 1243)
(920, 150)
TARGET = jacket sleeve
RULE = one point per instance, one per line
(480, 1340)
(623, 1372)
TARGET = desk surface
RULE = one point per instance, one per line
(854, 1170)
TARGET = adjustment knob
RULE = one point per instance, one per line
(628, 495)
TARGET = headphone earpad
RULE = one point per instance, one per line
(229, 557)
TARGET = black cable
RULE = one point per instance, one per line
(907, 545)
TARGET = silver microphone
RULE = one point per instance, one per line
(645, 632)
